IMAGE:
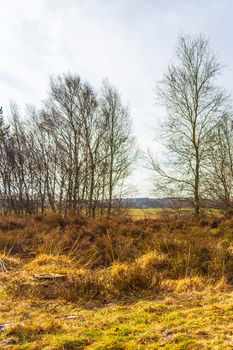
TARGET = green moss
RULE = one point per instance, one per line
(158, 309)
(110, 344)
(173, 318)
(184, 344)
(141, 319)
(187, 321)
(70, 342)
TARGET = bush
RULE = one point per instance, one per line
(134, 278)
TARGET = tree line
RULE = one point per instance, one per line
(73, 154)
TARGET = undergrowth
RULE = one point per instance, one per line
(48, 262)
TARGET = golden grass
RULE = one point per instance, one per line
(48, 263)
(116, 283)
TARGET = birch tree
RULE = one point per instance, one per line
(194, 106)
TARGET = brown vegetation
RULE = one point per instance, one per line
(114, 282)
(77, 258)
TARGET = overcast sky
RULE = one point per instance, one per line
(130, 42)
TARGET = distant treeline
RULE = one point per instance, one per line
(73, 154)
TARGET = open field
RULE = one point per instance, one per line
(155, 213)
(147, 213)
(116, 283)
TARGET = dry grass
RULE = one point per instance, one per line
(9, 263)
(153, 274)
(48, 263)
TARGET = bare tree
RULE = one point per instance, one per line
(195, 105)
(72, 155)
(219, 182)
(120, 146)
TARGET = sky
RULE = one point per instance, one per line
(130, 42)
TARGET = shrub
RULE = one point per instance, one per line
(133, 278)
(154, 262)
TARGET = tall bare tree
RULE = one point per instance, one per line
(120, 146)
(194, 105)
